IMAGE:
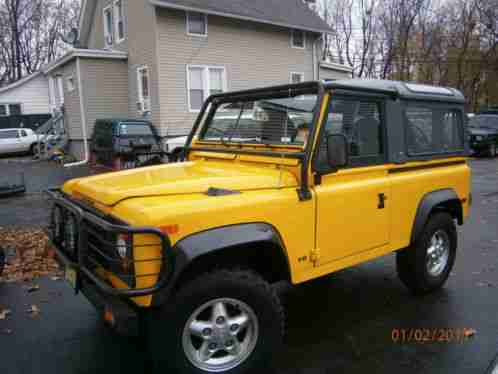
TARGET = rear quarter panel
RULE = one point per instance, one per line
(410, 186)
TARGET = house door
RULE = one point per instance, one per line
(353, 210)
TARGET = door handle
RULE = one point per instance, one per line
(382, 201)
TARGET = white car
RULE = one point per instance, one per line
(18, 141)
(174, 146)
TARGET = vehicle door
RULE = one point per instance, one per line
(25, 140)
(353, 210)
(9, 141)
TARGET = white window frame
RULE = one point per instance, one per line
(206, 82)
(116, 21)
(292, 39)
(70, 83)
(187, 14)
(141, 99)
(296, 73)
(108, 33)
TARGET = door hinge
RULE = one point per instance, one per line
(315, 256)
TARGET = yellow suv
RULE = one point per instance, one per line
(283, 183)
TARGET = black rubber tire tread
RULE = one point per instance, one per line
(165, 325)
(411, 261)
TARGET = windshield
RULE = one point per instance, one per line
(484, 121)
(135, 129)
(281, 121)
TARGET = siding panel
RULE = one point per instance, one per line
(105, 89)
(33, 95)
(253, 54)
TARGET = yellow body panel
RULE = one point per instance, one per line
(340, 226)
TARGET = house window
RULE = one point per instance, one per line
(203, 81)
(297, 78)
(70, 83)
(108, 27)
(10, 110)
(298, 39)
(143, 84)
(119, 26)
(15, 109)
(196, 24)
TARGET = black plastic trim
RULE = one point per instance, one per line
(426, 205)
(211, 241)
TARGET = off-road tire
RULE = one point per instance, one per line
(165, 326)
(2, 260)
(411, 261)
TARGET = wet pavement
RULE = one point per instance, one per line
(342, 323)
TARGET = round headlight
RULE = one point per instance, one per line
(122, 244)
(70, 234)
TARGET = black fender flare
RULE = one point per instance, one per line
(197, 245)
(426, 206)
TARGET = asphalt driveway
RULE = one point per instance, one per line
(342, 323)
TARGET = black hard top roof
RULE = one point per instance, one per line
(405, 90)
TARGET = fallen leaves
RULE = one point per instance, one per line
(4, 313)
(31, 255)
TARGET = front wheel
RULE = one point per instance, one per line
(425, 266)
(228, 321)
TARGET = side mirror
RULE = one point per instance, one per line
(337, 150)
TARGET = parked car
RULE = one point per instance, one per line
(18, 141)
(174, 147)
(483, 131)
(192, 249)
(125, 143)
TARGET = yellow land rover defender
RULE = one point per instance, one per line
(283, 183)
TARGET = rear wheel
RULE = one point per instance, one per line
(425, 266)
(228, 321)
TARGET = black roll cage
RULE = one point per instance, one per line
(315, 87)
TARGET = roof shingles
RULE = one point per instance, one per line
(287, 13)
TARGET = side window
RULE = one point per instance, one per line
(108, 27)
(432, 129)
(24, 133)
(3, 110)
(360, 121)
(452, 134)
(419, 129)
(15, 109)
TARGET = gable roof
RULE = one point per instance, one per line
(286, 13)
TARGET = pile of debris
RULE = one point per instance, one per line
(28, 255)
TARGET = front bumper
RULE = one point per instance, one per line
(79, 261)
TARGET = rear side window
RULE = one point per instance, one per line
(432, 129)
(9, 134)
(135, 129)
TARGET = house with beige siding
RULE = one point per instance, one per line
(160, 59)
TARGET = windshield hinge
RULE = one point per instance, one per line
(304, 194)
(315, 255)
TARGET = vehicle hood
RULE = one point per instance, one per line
(482, 131)
(178, 179)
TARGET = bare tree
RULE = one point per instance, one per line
(30, 34)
